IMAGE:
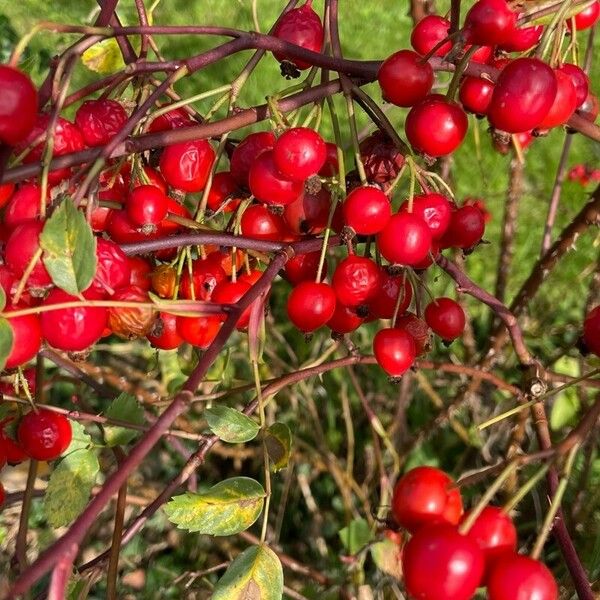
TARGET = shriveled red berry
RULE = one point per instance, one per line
(269, 186)
(100, 120)
(18, 105)
(186, 166)
(310, 305)
(44, 435)
(146, 207)
(27, 338)
(405, 240)
(434, 209)
(200, 284)
(394, 351)
(113, 268)
(381, 158)
(429, 32)
(198, 331)
(383, 304)
(489, 22)
(355, 280)
(366, 210)
(446, 318)
(516, 577)
(405, 79)
(299, 153)
(133, 322)
(417, 328)
(164, 334)
(308, 213)
(247, 151)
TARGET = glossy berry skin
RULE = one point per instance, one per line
(18, 105)
(186, 166)
(423, 496)
(565, 102)
(428, 32)
(405, 240)
(381, 158)
(308, 214)
(516, 577)
(146, 207)
(230, 292)
(260, 223)
(355, 280)
(591, 331)
(23, 206)
(174, 119)
(331, 166)
(198, 331)
(394, 351)
(523, 95)
(586, 18)
(436, 126)
(269, 186)
(122, 230)
(6, 192)
(434, 209)
(164, 336)
(467, 226)
(134, 322)
(140, 272)
(579, 79)
(133, 180)
(224, 193)
(417, 328)
(383, 303)
(302, 27)
(344, 320)
(246, 152)
(113, 269)
(72, 329)
(475, 94)
(304, 267)
(366, 210)
(27, 339)
(495, 533)
(404, 78)
(310, 305)
(489, 22)
(522, 39)
(20, 248)
(44, 435)
(299, 153)
(100, 120)
(446, 318)
(441, 564)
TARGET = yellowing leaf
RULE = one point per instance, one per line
(278, 439)
(105, 57)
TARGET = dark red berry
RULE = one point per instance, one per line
(100, 120)
(18, 105)
(489, 22)
(331, 166)
(206, 275)
(269, 186)
(146, 207)
(9, 447)
(299, 153)
(590, 108)
(467, 226)
(122, 230)
(308, 214)
(516, 577)
(394, 351)
(381, 158)
(44, 435)
(429, 32)
(186, 166)
(6, 192)
(140, 272)
(405, 79)
(310, 305)
(591, 331)
(355, 280)
(446, 318)
(383, 304)
(405, 240)
(113, 268)
(224, 194)
(417, 328)
(247, 151)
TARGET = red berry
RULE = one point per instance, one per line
(72, 329)
(423, 496)
(224, 193)
(304, 267)
(383, 304)
(6, 192)
(523, 95)
(434, 209)
(140, 272)
(44, 435)
(436, 126)
(121, 230)
(268, 185)
(446, 318)
(250, 277)
(367, 210)
(18, 105)
(565, 102)
(308, 214)
(355, 280)
(100, 120)
(475, 94)
(146, 207)
(344, 320)
(186, 166)
(167, 227)
(405, 240)
(331, 166)
(310, 305)
(381, 157)
(164, 334)
(489, 22)
(586, 18)
(441, 564)
(428, 32)
(417, 328)
(591, 331)
(522, 39)
(198, 331)
(302, 27)
(579, 79)
(405, 79)
(247, 151)
(260, 223)
(494, 532)
(394, 351)
(27, 339)
(174, 119)
(23, 206)
(467, 226)
(516, 577)
(21, 247)
(113, 268)
(299, 153)
(230, 292)
(206, 275)
(9, 448)
(135, 179)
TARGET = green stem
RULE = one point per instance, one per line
(511, 503)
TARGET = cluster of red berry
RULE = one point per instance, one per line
(584, 174)
(442, 561)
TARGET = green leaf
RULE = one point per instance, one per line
(565, 409)
(6, 341)
(123, 408)
(69, 249)
(105, 57)
(386, 555)
(256, 574)
(231, 425)
(227, 508)
(70, 486)
(80, 439)
(356, 535)
(278, 439)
